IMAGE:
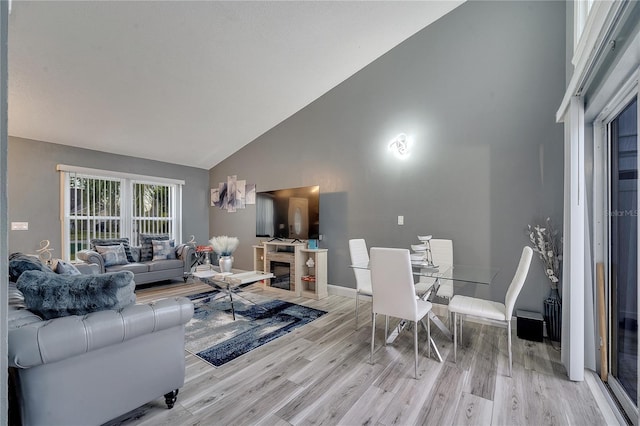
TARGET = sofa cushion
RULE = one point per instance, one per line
(113, 255)
(20, 317)
(51, 295)
(163, 265)
(87, 268)
(163, 249)
(113, 242)
(19, 263)
(136, 268)
(146, 245)
(16, 298)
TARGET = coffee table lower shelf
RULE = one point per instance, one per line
(228, 281)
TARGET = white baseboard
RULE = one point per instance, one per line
(338, 290)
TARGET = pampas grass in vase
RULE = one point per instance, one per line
(224, 247)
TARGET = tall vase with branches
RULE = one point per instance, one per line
(547, 243)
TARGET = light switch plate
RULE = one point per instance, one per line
(19, 226)
(400, 220)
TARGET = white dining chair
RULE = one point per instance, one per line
(360, 255)
(442, 255)
(394, 295)
(495, 313)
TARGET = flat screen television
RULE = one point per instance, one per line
(292, 213)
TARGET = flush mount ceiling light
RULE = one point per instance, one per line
(400, 145)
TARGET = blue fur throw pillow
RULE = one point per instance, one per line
(19, 263)
(51, 295)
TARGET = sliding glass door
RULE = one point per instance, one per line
(623, 256)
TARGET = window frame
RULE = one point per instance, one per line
(126, 217)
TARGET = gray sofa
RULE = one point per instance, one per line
(147, 271)
(89, 369)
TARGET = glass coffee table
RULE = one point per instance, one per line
(227, 281)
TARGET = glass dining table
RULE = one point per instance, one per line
(436, 276)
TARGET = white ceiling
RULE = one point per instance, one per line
(188, 82)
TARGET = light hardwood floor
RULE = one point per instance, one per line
(320, 374)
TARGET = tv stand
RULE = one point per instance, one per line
(297, 241)
(304, 280)
(275, 239)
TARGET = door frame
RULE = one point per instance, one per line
(601, 205)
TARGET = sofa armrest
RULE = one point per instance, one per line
(185, 252)
(87, 268)
(90, 256)
(42, 342)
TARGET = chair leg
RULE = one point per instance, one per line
(415, 349)
(386, 328)
(429, 334)
(373, 335)
(357, 310)
(509, 342)
(455, 336)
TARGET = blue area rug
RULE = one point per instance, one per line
(214, 336)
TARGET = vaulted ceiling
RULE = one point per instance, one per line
(188, 82)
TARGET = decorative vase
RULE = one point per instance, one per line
(553, 315)
(225, 262)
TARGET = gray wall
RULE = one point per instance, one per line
(34, 189)
(478, 90)
(4, 270)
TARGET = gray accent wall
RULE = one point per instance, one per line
(478, 91)
(34, 189)
(4, 267)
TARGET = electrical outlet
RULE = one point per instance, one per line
(400, 220)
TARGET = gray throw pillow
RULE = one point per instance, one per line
(51, 295)
(113, 242)
(113, 255)
(146, 245)
(164, 249)
(65, 268)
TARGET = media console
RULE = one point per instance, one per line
(296, 269)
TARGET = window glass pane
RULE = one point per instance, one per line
(624, 249)
(153, 207)
(94, 210)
